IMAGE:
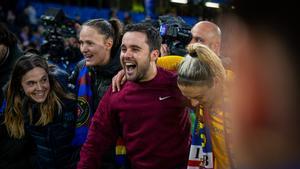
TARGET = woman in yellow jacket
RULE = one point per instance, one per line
(201, 79)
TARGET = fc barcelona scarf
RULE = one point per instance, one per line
(121, 153)
(201, 155)
(84, 106)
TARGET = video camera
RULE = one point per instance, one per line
(58, 29)
(175, 33)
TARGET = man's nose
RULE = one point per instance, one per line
(127, 54)
(83, 48)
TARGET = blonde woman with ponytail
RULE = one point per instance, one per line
(201, 79)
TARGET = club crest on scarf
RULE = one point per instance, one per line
(84, 104)
(82, 111)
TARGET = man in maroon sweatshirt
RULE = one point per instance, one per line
(149, 111)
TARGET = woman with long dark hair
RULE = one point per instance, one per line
(39, 106)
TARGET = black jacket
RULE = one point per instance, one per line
(43, 147)
(101, 77)
(53, 141)
(14, 153)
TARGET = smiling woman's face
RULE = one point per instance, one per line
(35, 84)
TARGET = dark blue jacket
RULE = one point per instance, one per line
(45, 147)
(53, 141)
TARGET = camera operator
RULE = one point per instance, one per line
(62, 45)
(209, 34)
(176, 35)
(175, 29)
(206, 33)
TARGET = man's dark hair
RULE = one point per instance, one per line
(153, 37)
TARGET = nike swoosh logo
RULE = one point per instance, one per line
(163, 98)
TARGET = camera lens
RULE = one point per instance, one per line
(163, 29)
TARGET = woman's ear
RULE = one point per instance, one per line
(109, 43)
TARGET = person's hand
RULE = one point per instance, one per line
(164, 50)
(118, 80)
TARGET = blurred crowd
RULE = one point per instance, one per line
(25, 25)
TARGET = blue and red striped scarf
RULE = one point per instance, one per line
(85, 114)
(201, 154)
(84, 106)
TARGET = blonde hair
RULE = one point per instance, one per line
(201, 66)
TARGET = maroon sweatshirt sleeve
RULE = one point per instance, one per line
(102, 134)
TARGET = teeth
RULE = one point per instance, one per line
(39, 94)
(129, 64)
